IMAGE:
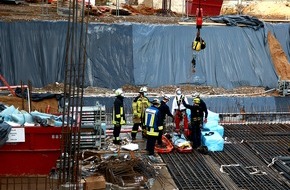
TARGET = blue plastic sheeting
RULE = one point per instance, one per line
(234, 20)
(233, 57)
(35, 51)
(138, 54)
(109, 55)
(212, 140)
(32, 51)
(4, 132)
(249, 104)
(214, 104)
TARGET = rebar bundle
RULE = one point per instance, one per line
(69, 171)
(126, 173)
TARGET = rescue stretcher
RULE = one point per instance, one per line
(180, 143)
(168, 147)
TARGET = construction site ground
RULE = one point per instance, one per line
(248, 151)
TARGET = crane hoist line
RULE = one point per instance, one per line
(198, 43)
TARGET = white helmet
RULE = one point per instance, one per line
(143, 89)
(156, 101)
(119, 92)
(166, 97)
(195, 95)
(178, 91)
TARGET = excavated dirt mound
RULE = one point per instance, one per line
(47, 105)
(279, 58)
(268, 9)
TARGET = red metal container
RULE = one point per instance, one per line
(209, 7)
(36, 156)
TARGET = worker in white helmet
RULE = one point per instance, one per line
(118, 115)
(164, 111)
(139, 105)
(179, 111)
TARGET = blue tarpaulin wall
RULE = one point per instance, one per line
(140, 54)
(215, 104)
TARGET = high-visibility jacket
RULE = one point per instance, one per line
(153, 121)
(139, 105)
(118, 111)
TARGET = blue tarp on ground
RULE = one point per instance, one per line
(235, 20)
(138, 54)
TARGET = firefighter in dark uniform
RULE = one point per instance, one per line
(198, 117)
(202, 103)
(153, 122)
(118, 115)
(164, 110)
(139, 105)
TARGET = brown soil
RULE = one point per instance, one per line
(45, 106)
(279, 58)
(141, 14)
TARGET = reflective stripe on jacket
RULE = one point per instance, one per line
(118, 112)
(153, 120)
(139, 105)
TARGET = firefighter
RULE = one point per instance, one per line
(179, 111)
(202, 103)
(139, 105)
(198, 43)
(197, 116)
(153, 122)
(164, 110)
(118, 115)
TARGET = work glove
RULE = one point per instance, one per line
(160, 128)
(123, 122)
